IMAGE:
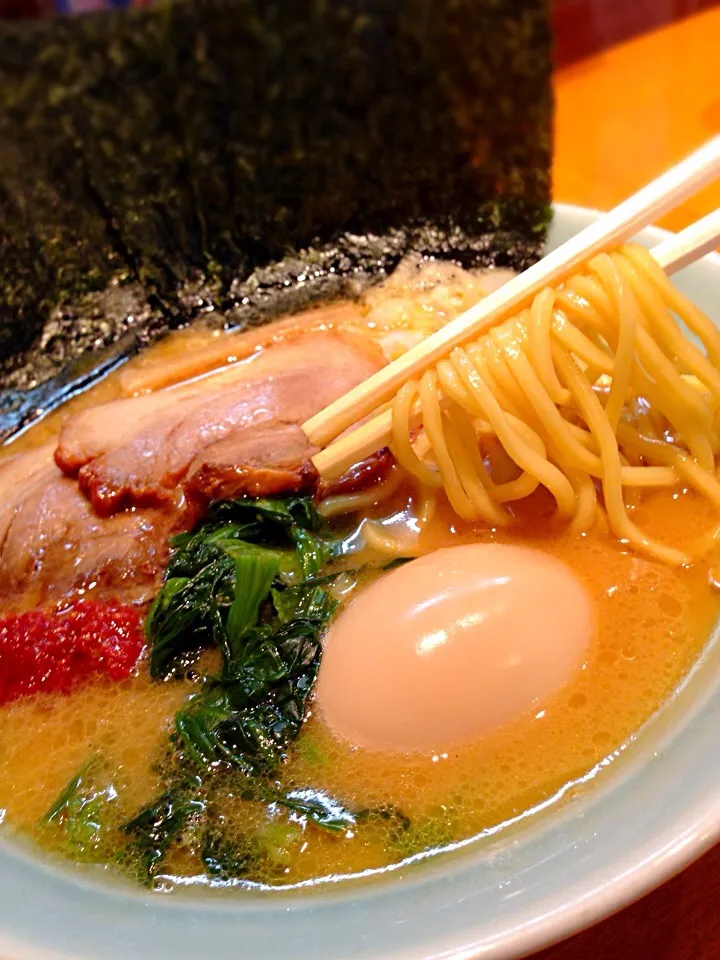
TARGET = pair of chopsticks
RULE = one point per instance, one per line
(615, 227)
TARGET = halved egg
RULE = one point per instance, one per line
(452, 645)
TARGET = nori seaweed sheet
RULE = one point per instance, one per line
(239, 159)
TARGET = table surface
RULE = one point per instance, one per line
(629, 112)
(622, 116)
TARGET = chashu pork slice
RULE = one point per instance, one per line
(257, 461)
(52, 544)
(230, 433)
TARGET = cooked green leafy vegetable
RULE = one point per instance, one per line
(252, 581)
(319, 808)
(62, 804)
(220, 575)
(272, 844)
(255, 583)
(225, 860)
(248, 716)
(79, 815)
(254, 576)
(154, 828)
(244, 582)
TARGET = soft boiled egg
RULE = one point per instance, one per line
(450, 646)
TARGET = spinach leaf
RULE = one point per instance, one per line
(293, 520)
(305, 601)
(154, 828)
(79, 815)
(319, 808)
(196, 728)
(312, 552)
(266, 513)
(252, 582)
(61, 805)
(268, 850)
(193, 551)
(216, 576)
(185, 616)
(249, 716)
(225, 860)
(254, 576)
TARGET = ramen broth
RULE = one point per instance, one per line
(651, 622)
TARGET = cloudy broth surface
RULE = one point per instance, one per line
(651, 623)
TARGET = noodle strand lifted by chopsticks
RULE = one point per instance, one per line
(594, 386)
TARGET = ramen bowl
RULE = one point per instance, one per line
(640, 816)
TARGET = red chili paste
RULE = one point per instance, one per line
(54, 651)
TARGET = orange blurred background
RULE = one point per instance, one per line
(630, 109)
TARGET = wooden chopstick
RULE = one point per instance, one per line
(672, 254)
(690, 244)
(659, 196)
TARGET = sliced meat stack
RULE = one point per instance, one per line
(236, 431)
(94, 512)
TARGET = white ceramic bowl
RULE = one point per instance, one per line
(654, 809)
